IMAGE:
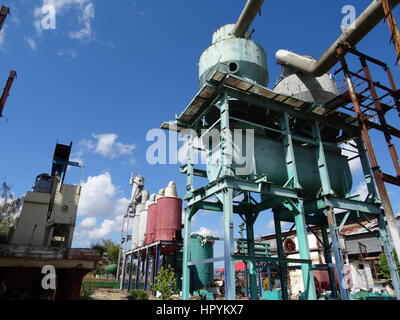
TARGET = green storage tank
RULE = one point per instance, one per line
(203, 274)
(176, 262)
(268, 157)
(111, 269)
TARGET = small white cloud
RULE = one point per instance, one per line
(108, 146)
(205, 232)
(2, 37)
(69, 53)
(82, 10)
(88, 223)
(362, 190)
(86, 33)
(77, 157)
(31, 42)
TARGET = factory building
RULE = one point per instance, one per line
(362, 249)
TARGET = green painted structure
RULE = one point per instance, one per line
(294, 169)
(203, 274)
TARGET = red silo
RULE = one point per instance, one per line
(169, 219)
(151, 224)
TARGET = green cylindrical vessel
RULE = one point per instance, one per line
(203, 274)
(111, 269)
(267, 156)
(176, 262)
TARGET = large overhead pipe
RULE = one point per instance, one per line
(247, 17)
(367, 21)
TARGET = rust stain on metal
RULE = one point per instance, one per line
(393, 27)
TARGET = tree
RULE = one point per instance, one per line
(384, 266)
(166, 283)
(9, 211)
(111, 250)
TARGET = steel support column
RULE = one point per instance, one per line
(337, 252)
(230, 281)
(281, 255)
(304, 248)
(251, 252)
(328, 259)
(138, 271)
(146, 272)
(186, 254)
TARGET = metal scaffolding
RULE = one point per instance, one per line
(287, 201)
(148, 261)
(368, 99)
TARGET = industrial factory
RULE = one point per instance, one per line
(281, 150)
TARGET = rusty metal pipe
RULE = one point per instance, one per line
(247, 17)
(6, 91)
(367, 21)
(3, 15)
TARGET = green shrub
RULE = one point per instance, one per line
(138, 295)
(87, 290)
(166, 283)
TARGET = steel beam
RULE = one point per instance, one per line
(186, 253)
(230, 289)
(281, 255)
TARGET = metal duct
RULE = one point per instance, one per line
(247, 17)
(353, 35)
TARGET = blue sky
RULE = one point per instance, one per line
(113, 70)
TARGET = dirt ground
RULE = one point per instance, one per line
(109, 294)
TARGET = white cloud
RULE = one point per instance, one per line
(102, 207)
(2, 37)
(99, 198)
(82, 10)
(362, 190)
(108, 146)
(105, 229)
(88, 14)
(205, 232)
(70, 53)
(77, 157)
(88, 223)
(31, 42)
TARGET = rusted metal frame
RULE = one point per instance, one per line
(4, 12)
(6, 91)
(380, 184)
(344, 49)
(395, 93)
(390, 179)
(382, 119)
(393, 131)
(393, 27)
(367, 80)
